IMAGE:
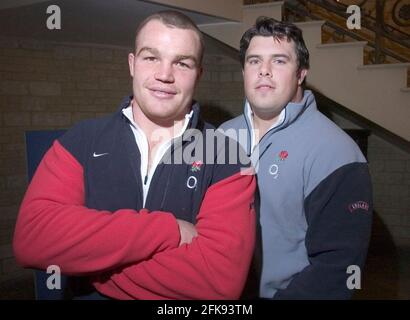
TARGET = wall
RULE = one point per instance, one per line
(47, 86)
(390, 171)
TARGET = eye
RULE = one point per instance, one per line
(253, 61)
(279, 61)
(183, 65)
(150, 58)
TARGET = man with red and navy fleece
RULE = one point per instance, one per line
(313, 180)
(135, 205)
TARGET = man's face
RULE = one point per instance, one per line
(271, 76)
(165, 69)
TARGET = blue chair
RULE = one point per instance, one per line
(37, 144)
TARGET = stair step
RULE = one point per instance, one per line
(220, 24)
(384, 66)
(312, 32)
(226, 32)
(264, 5)
(342, 45)
(310, 23)
(251, 12)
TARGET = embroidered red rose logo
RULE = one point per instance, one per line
(196, 165)
(283, 155)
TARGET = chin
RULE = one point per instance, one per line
(165, 115)
(267, 108)
(161, 115)
(265, 105)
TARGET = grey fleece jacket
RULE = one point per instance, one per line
(315, 203)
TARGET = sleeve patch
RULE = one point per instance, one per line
(358, 205)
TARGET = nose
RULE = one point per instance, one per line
(164, 72)
(265, 70)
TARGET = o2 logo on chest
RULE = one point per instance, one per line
(191, 182)
(274, 170)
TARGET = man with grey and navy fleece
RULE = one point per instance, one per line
(314, 184)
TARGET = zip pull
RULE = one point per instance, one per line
(145, 180)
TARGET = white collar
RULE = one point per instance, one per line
(130, 116)
(142, 143)
(249, 115)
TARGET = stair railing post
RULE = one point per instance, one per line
(378, 31)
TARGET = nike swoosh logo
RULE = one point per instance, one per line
(96, 155)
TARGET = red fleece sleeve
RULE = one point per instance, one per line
(54, 226)
(213, 266)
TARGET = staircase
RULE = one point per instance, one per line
(377, 92)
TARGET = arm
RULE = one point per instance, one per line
(213, 266)
(338, 234)
(54, 226)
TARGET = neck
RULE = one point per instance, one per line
(157, 131)
(298, 95)
(262, 125)
(262, 122)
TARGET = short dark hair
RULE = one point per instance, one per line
(173, 19)
(279, 30)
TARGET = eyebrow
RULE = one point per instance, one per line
(178, 58)
(152, 50)
(278, 55)
(189, 57)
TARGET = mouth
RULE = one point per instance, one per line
(162, 93)
(264, 87)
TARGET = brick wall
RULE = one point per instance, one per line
(390, 169)
(47, 86)
(220, 91)
(50, 86)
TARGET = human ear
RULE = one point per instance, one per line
(302, 75)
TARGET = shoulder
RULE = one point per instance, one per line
(231, 128)
(328, 148)
(332, 142)
(223, 154)
(81, 136)
(235, 123)
(85, 129)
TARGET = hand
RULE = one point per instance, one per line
(187, 232)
